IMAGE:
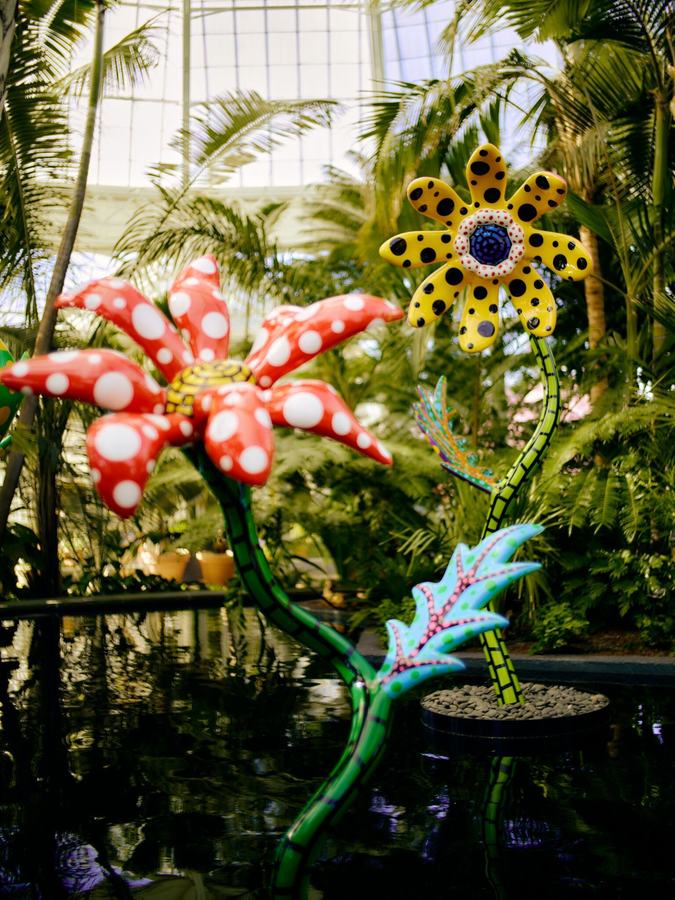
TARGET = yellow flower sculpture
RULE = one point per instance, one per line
(487, 243)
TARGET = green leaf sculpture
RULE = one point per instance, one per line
(451, 611)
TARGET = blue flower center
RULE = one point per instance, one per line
(490, 244)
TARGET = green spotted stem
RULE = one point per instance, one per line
(501, 775)
(371, 707)
(502, 671)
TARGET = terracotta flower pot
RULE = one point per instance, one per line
(172, 564)
(217, 568)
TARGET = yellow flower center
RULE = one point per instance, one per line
(188, 384)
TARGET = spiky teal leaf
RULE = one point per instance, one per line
(451, 611)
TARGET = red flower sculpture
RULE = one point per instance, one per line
(231, 406)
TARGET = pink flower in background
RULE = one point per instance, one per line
(229, 405)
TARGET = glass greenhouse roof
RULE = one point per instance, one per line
(284, 49)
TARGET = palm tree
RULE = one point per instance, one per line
(36, 108)
(7, 28)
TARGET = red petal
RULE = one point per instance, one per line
(295, 339)
(317, 407)
(200, 310)
(120, 303)
(238, 435)
(122, 450)
(100, 377)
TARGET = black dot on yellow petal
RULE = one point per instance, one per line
(480, 292)
(430, 185)
(445, 238)
(536, 240)
(473, 182)
(422, 208)
(526, 270)
(499, 175)
(542, 182)
(480, 168)
(527, 212)
(454, 276)
(463, 211)
(533, 322)
(406, 263)
(539, 284)
(469, 346)
(428, 255)
(517, 287)
(534, 301)
(428, 288)
(571, 245)
(560, 190)
(582, 263)
(398, 246)
(552, 203)
(492, 195)
(555, 243)
(416, 194)
(416, 304)
(559, 261)
(493, 308)
(445, 207)
(486, 329)
(438, 307)
(420, 322)
(527, 188)
(420, 237)
(462, 330)
(483, 152)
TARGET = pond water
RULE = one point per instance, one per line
(164, 754)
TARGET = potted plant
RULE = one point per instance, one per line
(217, 563)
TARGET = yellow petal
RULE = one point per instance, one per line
(532, 299)
(437, 200)
(486, 177)
(413, 249)
(480, 318)
(566, 256)
(437, 293)
(541, 193)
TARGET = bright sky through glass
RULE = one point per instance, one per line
(284, 49)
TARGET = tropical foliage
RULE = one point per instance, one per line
(601, 118)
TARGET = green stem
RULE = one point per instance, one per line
(501, 774)
(371, 708)
(502, 671)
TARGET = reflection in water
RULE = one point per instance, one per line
(165, 754)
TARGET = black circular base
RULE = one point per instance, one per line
(553, 717)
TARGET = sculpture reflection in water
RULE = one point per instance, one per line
(222, 412)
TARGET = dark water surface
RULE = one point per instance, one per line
(163, 755)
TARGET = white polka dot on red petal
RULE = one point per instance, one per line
(355, 304)
(310, 342)
(164, 355)
(92, 301)
(117, 442)
(279, 352)
(127, 494)
(57, 383)
(364, 440)
(225, 462)
(113, 391)
(215, 325)
(148, 321)
(223, 425)
(263, 417)
(337, 326)
(179, 303)
(254, 460)
(303, 410)
(186, 429)
(150, 432)
(207, 354)
(340, 423)
(205, 265)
